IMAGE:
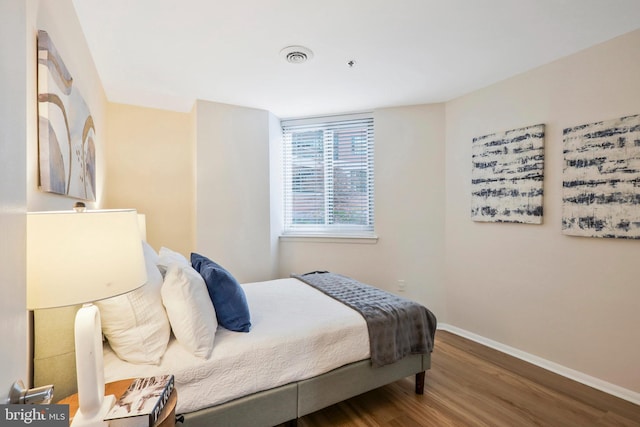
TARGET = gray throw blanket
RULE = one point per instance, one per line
(397, 326)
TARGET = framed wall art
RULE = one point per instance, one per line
(66, 132)
(507, 176)
(601, 179)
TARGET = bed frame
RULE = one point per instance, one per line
(54, 363)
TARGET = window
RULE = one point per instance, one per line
(328, 176)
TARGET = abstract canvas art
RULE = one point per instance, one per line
(601, 179)
(66, 133)
(507, 176)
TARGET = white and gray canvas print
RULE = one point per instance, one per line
(601, 179)
(507, 176)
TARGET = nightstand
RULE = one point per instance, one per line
(167, 417)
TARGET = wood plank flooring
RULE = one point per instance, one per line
(473, 385)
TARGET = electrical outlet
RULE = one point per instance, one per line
(402, 286)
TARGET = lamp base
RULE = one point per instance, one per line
(93, 404)
(96, 420)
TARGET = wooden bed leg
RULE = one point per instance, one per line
(420, 382)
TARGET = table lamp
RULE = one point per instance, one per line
(78, 257)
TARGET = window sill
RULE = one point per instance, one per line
(367, 240)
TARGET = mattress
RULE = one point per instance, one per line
(297, 333)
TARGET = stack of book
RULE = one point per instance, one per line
(141, 404)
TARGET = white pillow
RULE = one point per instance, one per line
(166, 257)
(135, 323)
(190, 310)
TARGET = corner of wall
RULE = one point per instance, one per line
(275, 193)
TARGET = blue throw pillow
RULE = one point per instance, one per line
(226, 294)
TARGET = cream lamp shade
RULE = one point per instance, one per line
(78, 257)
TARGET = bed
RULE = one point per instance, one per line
(305, 351)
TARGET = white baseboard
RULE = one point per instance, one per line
(572, 374)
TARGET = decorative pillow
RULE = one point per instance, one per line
(167, 257)
(226, 294)
(189, 308)
(135, 323)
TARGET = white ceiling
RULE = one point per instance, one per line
(168, 53)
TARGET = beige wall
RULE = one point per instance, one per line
(409, 212)
(570, 300)
(150, 167)
(19, 22)
(233, 213)
(222, 189)
(276, 185)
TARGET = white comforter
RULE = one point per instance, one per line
(297, 332)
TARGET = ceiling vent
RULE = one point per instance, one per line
(296, 54)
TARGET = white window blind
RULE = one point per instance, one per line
(328, 174)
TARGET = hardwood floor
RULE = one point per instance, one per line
(473, 385)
